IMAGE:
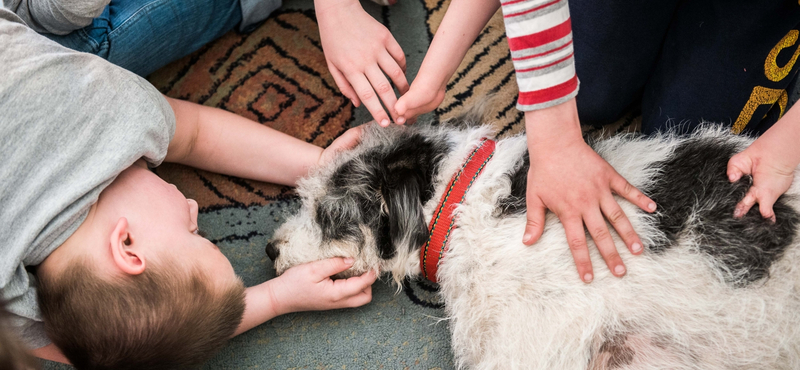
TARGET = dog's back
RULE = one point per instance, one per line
(710, 291)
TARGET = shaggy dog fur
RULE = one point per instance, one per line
(709, 292)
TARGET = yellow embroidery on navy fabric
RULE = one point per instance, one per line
(764, 95)
(760, 96)
(771, 69)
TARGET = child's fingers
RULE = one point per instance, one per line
(395, 73)
(354, 285)
(324, 269)
(414, 103)
(598, 229)
(344, 85)
(616, 216)
(534, 227)
(401, 107)
(576, 238)
(765, 204)
(360, 299)
(738, 166)
(623, 188)
(384, 89)
(346, 141)
(396, 52)
(350, 138)
(746, 203)
(367, 95)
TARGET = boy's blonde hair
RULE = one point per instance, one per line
(158, 319)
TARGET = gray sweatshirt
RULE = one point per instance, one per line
(69, 124)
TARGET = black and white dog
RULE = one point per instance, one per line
(709, 292)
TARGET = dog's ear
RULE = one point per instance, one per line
(402, 191)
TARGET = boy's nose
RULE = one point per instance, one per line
(272, 252)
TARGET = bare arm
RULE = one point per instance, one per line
(216, 140)
(462, 23)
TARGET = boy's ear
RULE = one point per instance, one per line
(127, 257)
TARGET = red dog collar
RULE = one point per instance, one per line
(443, 221)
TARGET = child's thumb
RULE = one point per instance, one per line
(739, 165)
(331, 266)
(401, 107)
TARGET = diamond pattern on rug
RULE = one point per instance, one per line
(277, 76)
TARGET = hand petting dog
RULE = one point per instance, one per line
(771, 160)
(577, 185)
(309, 287)
(359, 50)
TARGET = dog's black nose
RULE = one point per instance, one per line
(272, 252)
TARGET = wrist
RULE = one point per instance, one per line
(276, 303)
(780, 141)
(431, 78)
(556, 125)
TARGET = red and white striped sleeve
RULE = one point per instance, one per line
(540, 38)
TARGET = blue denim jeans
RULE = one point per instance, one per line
(144, 35)
(685, 61)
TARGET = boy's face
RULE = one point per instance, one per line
(164, 222)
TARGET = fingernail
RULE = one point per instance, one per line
(636, 247)
(385, 123)
(353, 101)
(737, 213)
(587, 278)
(619, 270)
(348, 261)
(732, 177)
(401, 120)
(526, 238)
(651, 206)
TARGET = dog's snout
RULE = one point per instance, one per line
(272, 252)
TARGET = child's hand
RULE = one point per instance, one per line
(771, 160)
(423, 97)
(346, 141)
(772, 176)
(359, 50)
(574, 182)
(308, 287)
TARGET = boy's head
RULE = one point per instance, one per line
(135, 287)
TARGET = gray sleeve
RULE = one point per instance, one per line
(58, 17)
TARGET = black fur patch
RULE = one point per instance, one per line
(617, 352)
(693, 183)
(383, 189)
